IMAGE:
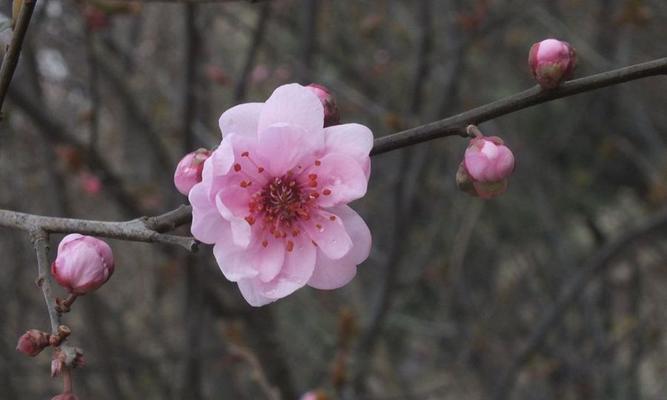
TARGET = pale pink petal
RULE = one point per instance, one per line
(476, 163)
(284, 146)
(241, 119)
(72, 237)
(332, 274)
(232, 260)
(207, 223)
(253, 294)
(328, 232)
(354, 140)
(241, 230)
(220, 161)
(293, 104)
(269, 260)
(340, 179)
(504, 162)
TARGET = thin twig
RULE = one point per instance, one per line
(258, 34)
(11, 58)
(40, 241)
(139, 230)
(456, 124)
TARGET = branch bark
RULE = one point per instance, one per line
(456, 124)
(11, 58)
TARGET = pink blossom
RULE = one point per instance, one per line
(485, 168)
(274, 194)
(189, 169)
(83, 263)
(32, 342)
(331, 114)
(551, 62)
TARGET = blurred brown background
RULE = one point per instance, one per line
(555, 290)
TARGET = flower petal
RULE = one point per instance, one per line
(233, 260)
(295, 105)
(241, 230)
(283, 146)
(354, 140)
(241, 119)
(327, 230)
(207, 223)
(332, 274)
(340, 179)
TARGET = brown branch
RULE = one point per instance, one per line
(40, 241)
(456, 124)
(144, 229)
(11, 58)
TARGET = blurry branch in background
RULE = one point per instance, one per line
(258, 34)
(571, 291)
(11, 58)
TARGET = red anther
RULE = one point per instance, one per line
(295, 232)
(265, 243)
(312, 183)
(260, 170)
(326, 192)
(318, 162)
(250, 219)
(318, 226)
(237, 167)
(245, 154)
(333, 217)
(290, 245)
(312, 177)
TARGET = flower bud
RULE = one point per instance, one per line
(551, 62)
(65, 396)
(83, 264)
(314, 395)
(485, 168)
(331, 114)
(189, 170)
(33, 342)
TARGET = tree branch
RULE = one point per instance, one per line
(11, 58)
(456, 124)
(40, 241)
(144, 229)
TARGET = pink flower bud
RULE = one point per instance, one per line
(189, 169)
(33, 342)
(331, 114)
(551, 62)
(83, 264)
(65, 396)
(485, 168)
(314, 395)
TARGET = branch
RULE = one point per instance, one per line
(144, 229)
(456, 124)
(11, 58)
(40, 241)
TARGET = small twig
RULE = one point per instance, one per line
(11, 58)
(456, 124)
(143, 229)
(40, 241)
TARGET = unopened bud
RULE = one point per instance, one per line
(33, 342)
(66, 357)
(485, 168)
(551, 62)
(83, 264)
(189, 170)
(331, 114)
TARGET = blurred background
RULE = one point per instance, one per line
(555, 290)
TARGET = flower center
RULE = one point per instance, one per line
(282, 201)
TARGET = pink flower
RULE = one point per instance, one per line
(551, 62)
(83, 264)
(485, 168)
(331, 114)
(274, 194)
(32, 342)
(189, 169)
